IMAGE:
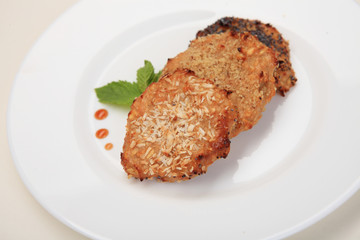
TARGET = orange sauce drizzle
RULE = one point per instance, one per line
(102, 133)
(101, 114)
(109, 146)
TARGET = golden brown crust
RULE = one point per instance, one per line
(177, 128)
(267, 34)
(238, 63)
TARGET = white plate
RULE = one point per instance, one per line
(298, 164)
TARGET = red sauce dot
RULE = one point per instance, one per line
(109, 146)
(102, 133)
(101, 114)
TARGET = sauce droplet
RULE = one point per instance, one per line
(109, 146)
(102, 133)
(101, 114)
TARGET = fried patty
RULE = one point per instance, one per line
(177, 128)
(267, 34)
(238, 63)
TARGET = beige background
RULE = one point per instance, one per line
(21, 217)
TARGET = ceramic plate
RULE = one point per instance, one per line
(299, 163)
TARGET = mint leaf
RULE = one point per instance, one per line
(119, 93)
(155, 78)
(144, 74)
(123, 92)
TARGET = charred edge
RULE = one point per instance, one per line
(224, 155)
(139, 173)
(224, 143)
(233, 33)
(199, 157)
(189, 71)
(225, 21)
(228, 92)
(265, 39)
(293, 80)
(281, 91)
(256, 28)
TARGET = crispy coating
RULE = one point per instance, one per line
(177, 128)
(238, 63)
(267, 34)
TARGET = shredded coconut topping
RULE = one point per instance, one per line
(178, 123)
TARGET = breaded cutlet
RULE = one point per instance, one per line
(177, 128)
(238, 63)
(267, 34)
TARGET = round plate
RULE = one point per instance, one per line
(295, 166)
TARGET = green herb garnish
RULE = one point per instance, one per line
(122, 92)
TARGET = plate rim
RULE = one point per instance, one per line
(286, 233)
